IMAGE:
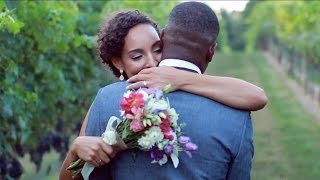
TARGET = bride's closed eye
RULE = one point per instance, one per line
(137, 57)
(135, 54)
(158, 50)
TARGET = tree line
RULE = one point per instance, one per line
(286, 29)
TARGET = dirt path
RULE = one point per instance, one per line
(308, 103)
(285, 147)
(269, 159)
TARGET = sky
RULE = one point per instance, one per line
(229, 6)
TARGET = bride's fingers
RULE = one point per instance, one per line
(94, 158)
(100, 158)
(108, 150)
(104, 158)
(93, 162)
(139, 77)
(147, 70)
(135, 78)
(137, 85)
(143, 75)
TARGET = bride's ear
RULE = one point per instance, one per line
(117, 63)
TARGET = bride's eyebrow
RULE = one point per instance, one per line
(135, 51)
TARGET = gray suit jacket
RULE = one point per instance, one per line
(223, 135)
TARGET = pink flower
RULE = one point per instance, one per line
(134, 100)
(136, 125)
(138, 113)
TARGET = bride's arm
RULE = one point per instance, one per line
(89, 148)
(227, 90)
(71, 156)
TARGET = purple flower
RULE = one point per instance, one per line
(168, 149)
(156, 154)
(184, 139)
(156, 92)
(190, 147)
(156, 111)
(144, 89)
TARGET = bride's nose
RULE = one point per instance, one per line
(151, 61)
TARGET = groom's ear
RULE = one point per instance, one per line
(211, 52)
(117, 63)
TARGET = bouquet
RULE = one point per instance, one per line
(149, 124)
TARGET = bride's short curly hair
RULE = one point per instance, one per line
(111, 37)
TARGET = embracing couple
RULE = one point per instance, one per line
(215, 109)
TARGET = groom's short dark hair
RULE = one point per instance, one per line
(195, 17)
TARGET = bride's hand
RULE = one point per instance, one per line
(156, 77)
(93, 150)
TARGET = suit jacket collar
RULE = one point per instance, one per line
(180, 64)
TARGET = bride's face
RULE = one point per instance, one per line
(141, 49)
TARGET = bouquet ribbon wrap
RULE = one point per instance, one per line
(110, 137)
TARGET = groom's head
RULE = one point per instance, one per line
(191, 33)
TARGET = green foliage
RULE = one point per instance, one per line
(294, 24)
(8, 20)
(49, 74)
(261, 22)
(157, 10)
(223, 41)
(232, 23)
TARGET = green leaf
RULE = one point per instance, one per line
(7, 106)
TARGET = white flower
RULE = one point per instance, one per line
(162, 115)
(127, 94)
(155, 134)
(122, 113)
(152, 136)
(157, 105)
(145, 95)
(163, 160)
(145, 142)
(173, 114)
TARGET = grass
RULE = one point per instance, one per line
(298, 131)
(286, 137)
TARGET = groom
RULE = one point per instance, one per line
(223, 134)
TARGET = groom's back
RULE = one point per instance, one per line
(223, 136)
(220, 133)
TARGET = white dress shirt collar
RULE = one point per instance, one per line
(180, 64)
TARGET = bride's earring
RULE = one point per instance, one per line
(121, 77)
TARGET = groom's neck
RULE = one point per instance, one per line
(182, 53)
